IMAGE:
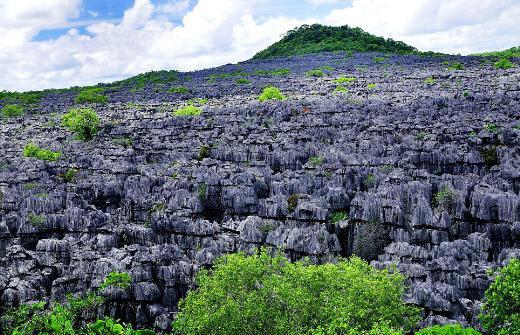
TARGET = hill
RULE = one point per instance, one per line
(319, 38)
(511, 52)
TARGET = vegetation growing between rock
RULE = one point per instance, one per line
(264, 294)
(83, 122)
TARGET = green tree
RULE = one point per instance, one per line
(262, 294)
(83, 122)
(501, 311)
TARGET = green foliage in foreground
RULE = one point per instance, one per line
(12, 111)
(262, 294)
(448, 330)
(271, 93)
(501, 311)
(64, 319)
(189, 110)
(32, 150)
(91, 95)
(318, 38)
(511, 52)
(83, 122)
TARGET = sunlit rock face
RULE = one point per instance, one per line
(426, 171)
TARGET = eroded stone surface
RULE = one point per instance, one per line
(154, 209)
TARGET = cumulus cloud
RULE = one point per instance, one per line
(454, 26)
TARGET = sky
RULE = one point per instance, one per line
(63, 43)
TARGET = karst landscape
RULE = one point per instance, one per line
(388, 178)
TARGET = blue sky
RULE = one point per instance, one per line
(61, 43)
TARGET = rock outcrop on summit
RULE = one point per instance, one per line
(421, 162)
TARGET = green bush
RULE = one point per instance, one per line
(243, 81)
(503, 64)
(338, 216)
(69, 175)
(456, 66)
(275, 72)
(179, 90)
(490, 156)
(83, 122)
(262, 294)
(448, 330)
(292, 202)
(271, 93)
(189, 110)
(204, 152)
(501, 310)
(54, 318)
(12, 111)
(315, 73)
(444, 198)
(371, 86)
(32, 150)
(117, 279)
(345, 80)
(315, 161)
(429, 81)
(91, 95)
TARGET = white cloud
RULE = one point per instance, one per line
(212, 33)
(173, 7)
(463, 26)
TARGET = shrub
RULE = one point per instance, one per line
(448, 330)
(444, 198)
(490, 156)
(345, 80)
(202, 191)
(263, 294)
(271, 93)
(117, 279)
(83, 122)
(188, 111)
(179, 90)
(491, 127)
(421, 136)
(456, 66)
(243, 81)
(315, 161)
(501, 310)
(338, 216)
(69, 175)
(32, 150)
(341, 89)
(91, 95)
(54, 318)
(371, 86)
(12, 111)
(275, 72)
(503, 64)
(370, 180)
(315, 73)
(429, 81)
(292, 202)
(36, 220)
(204, 152)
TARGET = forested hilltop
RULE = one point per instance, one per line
(319, 38)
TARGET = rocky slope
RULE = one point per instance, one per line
(425, 164)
